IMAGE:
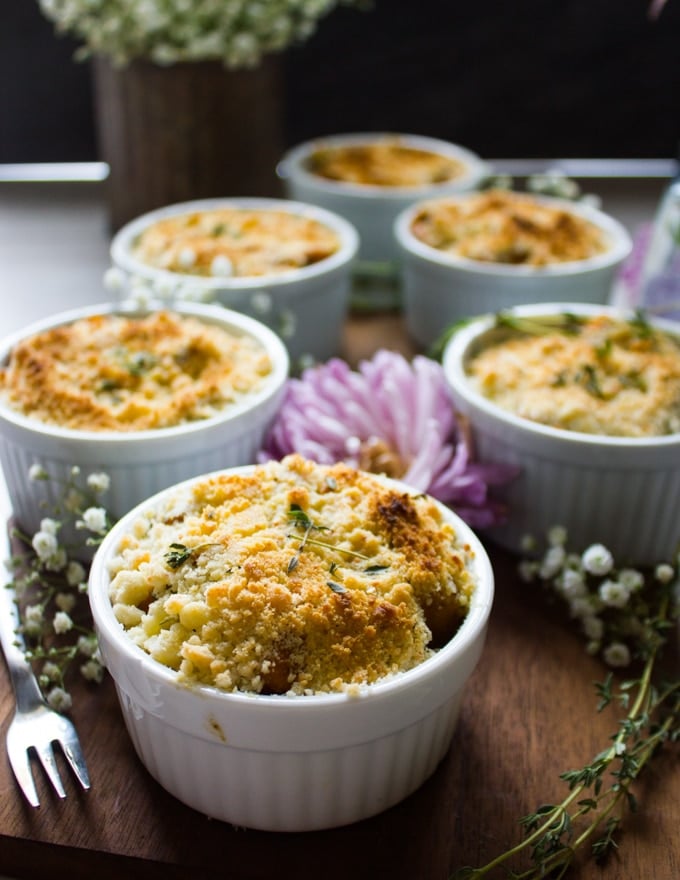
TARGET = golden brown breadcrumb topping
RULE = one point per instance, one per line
(123, 373)
(597, 375)
(498, 226)
(225, 242)
(384, 163)
(292, 578)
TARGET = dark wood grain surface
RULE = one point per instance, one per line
(528, 714)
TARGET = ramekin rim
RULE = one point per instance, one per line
(621, 242)
(471, 629)
(453, 358)
(121, 258)
(274, 383)
(291, 165)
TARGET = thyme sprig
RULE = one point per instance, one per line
(178, 553)
(566, 322)
(302, 519)
(600, 793)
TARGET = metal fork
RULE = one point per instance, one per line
(35, 727)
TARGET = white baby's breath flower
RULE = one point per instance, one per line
(37, 472)
(94, 520)
(593, 627)
(261, 302)
(33, 614)
(552, 562)
(571, 583)
(62, 622)
(592, 200)
(287, 324)
(616, 654)
(49, 525)
(45, 544)
(75, 573)
(163, 288)
(581, 607)
(221, 266)
(528, 543)
(664, 573)
(557, 536)
(99, 482)
(65, 601)
(87, 645)
(59, 699)
(186, 258)
(57, 561)
(73, 500)
(597, 560)
(114, 280)
(613, 593)
(51, 671)
(631, 579)
(141, 296)
(92, 671)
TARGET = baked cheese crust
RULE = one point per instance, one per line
(599, 376)
(235, 242)
(122, 373)
(498, 226)
(296, 578)
(384, 163)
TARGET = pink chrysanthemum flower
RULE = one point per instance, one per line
(391, 417)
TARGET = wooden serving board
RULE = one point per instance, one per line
(528, 714)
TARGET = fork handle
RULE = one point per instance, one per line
(26, 689)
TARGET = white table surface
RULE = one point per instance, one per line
(54, 240)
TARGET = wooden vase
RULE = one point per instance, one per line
(187, 131)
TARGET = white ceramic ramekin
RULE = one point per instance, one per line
(306, 307)
(439, 288)
(282, 763)
(621, 492)
(139, 463)
(373, 209)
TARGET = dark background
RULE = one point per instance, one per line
(530, 79)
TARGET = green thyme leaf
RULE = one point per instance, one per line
(337, 588)
(180, 553)
(297, 514)
(177, 555)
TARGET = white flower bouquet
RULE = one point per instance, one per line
(237, 32)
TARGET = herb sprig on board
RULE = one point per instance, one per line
(610, 605)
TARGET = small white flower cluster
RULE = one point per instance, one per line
(553, 182)
(145, 293)
(49, 581)
(237, 32)
(608, 603)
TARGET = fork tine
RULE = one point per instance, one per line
(70, 746)
(21, 767)
(45, 755)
